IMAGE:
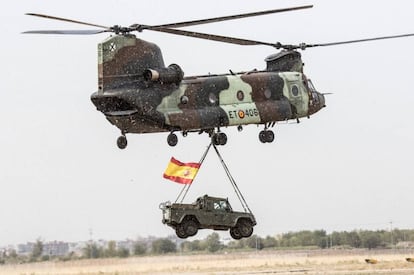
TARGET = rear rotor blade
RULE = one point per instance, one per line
(213, 37)
(69, 32)
(357, 40)
(224, 18)
(66, 20)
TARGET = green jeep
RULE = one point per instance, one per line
(207, 213)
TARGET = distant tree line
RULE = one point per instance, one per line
(320, 239)
(93, 251)
(291, 240)
(353, 239)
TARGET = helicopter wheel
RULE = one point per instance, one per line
(172, 139)
(219, 139)
(122, 142)
(266, 136)
(270, 136)
(262, 136)
(222, 138)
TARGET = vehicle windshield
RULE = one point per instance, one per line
(221, 205)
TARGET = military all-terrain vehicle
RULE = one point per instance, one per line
(207, 213)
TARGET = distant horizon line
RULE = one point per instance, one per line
(173, 236)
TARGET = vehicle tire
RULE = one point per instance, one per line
(190, 227)
(180, 232)
(172, 139)
(245, 227)
(235, 233)
(122, 142)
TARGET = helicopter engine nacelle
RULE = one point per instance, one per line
(172, 74)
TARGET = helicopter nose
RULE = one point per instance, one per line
(317, 103)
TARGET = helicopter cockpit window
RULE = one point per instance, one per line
(295, 90)
(311, 87)
(315, 98)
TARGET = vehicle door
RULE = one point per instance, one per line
(221, 212)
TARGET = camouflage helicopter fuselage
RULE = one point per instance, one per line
(138, 94)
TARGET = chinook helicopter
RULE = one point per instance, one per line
(138, 94)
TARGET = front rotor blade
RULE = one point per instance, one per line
(73, 32)
(225, 18)
(359, 40)
(213, 37)
(66, 20)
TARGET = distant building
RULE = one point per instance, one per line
(55, 248)
(25, 249)
(77, 248)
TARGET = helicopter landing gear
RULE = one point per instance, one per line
(266, 136)
(219, 138)
(172, 139)
(122, 142)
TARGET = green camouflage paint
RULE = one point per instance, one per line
(168, 102)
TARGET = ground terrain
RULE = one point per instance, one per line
(225, 263)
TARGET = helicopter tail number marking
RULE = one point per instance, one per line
(242, 113)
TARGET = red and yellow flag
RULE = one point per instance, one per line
(181, 172)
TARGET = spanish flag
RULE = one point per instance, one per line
(181, 172)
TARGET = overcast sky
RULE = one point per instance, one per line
(348, 167)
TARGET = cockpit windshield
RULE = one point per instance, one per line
(311, 87)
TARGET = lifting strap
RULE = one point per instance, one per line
(184, 190)
(233, 183)
(186, 187)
